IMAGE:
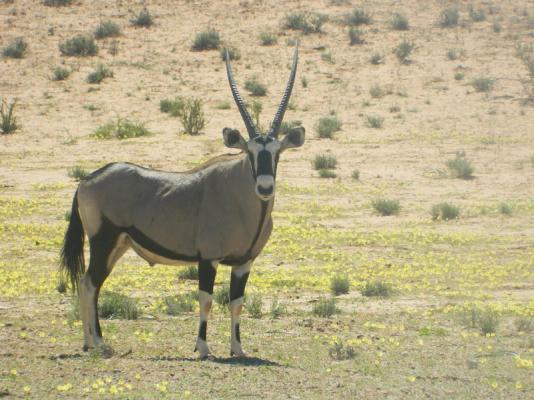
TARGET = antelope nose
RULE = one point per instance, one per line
(265, 185)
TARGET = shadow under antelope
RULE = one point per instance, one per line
(219, 212)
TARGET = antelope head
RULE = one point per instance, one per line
(262, 148)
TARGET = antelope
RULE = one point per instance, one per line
(219, 212)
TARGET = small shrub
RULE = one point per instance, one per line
(394, 109)
(121, 129)
(488, 321)
(256, 108)
(307, 23)
(73, 314)
(233, 53)
(79, 46)
(497, 27)
(357, 17)
(339, 351)
(192, 117)
(376, 91)
(57, 3)
(144, 19)
(505, 208)
(107, 29)
(374, 121)
(444, 211)
(304, 82)
(189, 273)
(525, 325)
(222, 295)
(253, 304)
(277, 309)
(477, 15)
(356, 36)
(268, 39)
(173, 107)
(8, 121)
(377, 289)
(449, 17)
(117, 306)
(176, 305)
(399, 22)
(339, 284)
(77, 172)
(377, 58)
(223, 105)
(285, 127)
(327, 56)
(483, 84)
(61, 286)
(459, 76)
(60, 74)
(460, 167)
(206, 40)
(386, 207)
(454, 54)
(324, 161)
(327, 126)
(16, 49)
(404, 50)
(255, 88)
(325, 307)
(327, 173)
(100, 73)
(355, 175)
(525, 52)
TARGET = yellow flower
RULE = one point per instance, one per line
(412, 378)
(28, 389)
(13, 372)
(518, 385)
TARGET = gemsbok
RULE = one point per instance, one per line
(219, 212)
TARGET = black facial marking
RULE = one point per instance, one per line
(237, 285)
(202, 330)
(206, 276)
(237, 333)
(265, 163)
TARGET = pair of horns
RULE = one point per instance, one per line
(279, 116)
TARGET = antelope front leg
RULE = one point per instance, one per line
(237, 290)
(206, 277)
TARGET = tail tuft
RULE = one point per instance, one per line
(72, 259)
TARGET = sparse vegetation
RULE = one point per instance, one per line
(268, 39)
(459, 76)
(192, 116)
(121, 129)
(483, 84)
(223, 105)
(404, 50)
(454, 54)
(477, 15)
(355, 175)
(327, 173)
(324, 161)
(189, 273)
(375, 121)
(60, 74)
(287, 126)
(278, 308)
(255, 87)
(233, 53)
(327, 56)
(107, 29)
(400, 22)
(143, 19)
(327, 126)
(444, 211)
(16, 48)
(377, 58)
(525, 52)
(8, 121)
(100, 73)
(386, 207)
(256, 108)
(358, 16)
(305, 22)
(77, 172)
(117, 306)
(505, 208)
(525, 324)
(340, 351)
(377, 289)
(254, 304)
(79, 46)
(206, 40)
(460, 167)
(176, 305)
(57, 3)
(173, 107)
(339, 284)
(221, 295)
(376, 91)
(356, 36)
(488, 321)
(324, 307)
(449, 17)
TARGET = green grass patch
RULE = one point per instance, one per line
(206, 40)
(339, 284)
(460, 167)
(324, 161)
(386, 207)
(143, 19)
(305, 22)
(16, 48)
(254, 304)
(114, 305)
(60, 74)
(327, 126)
(177, 305)
(377, 289)
(399, 22)
(8, 121)
(79, 46)
(121, 129)
(444, 211)
(107, 29)
(255, 87)
(77, 172)
(100, 73)
(324, 307)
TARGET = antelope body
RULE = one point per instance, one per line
(219, 212)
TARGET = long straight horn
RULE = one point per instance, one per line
(275, 126)
(238, 100)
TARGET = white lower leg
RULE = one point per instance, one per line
(205, 302)
(82, 298)
(94, 339)
(236, 306)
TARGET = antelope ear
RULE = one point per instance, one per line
(232, 138)
(294, 138)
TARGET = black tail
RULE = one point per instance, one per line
(72, 259)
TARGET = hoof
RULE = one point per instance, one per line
(238, 354)
(85, 348)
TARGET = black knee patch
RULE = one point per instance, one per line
(206, 276)
(203, 330)
(237, 286)
(101, 246)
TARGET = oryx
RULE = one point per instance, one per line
(219, 212)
